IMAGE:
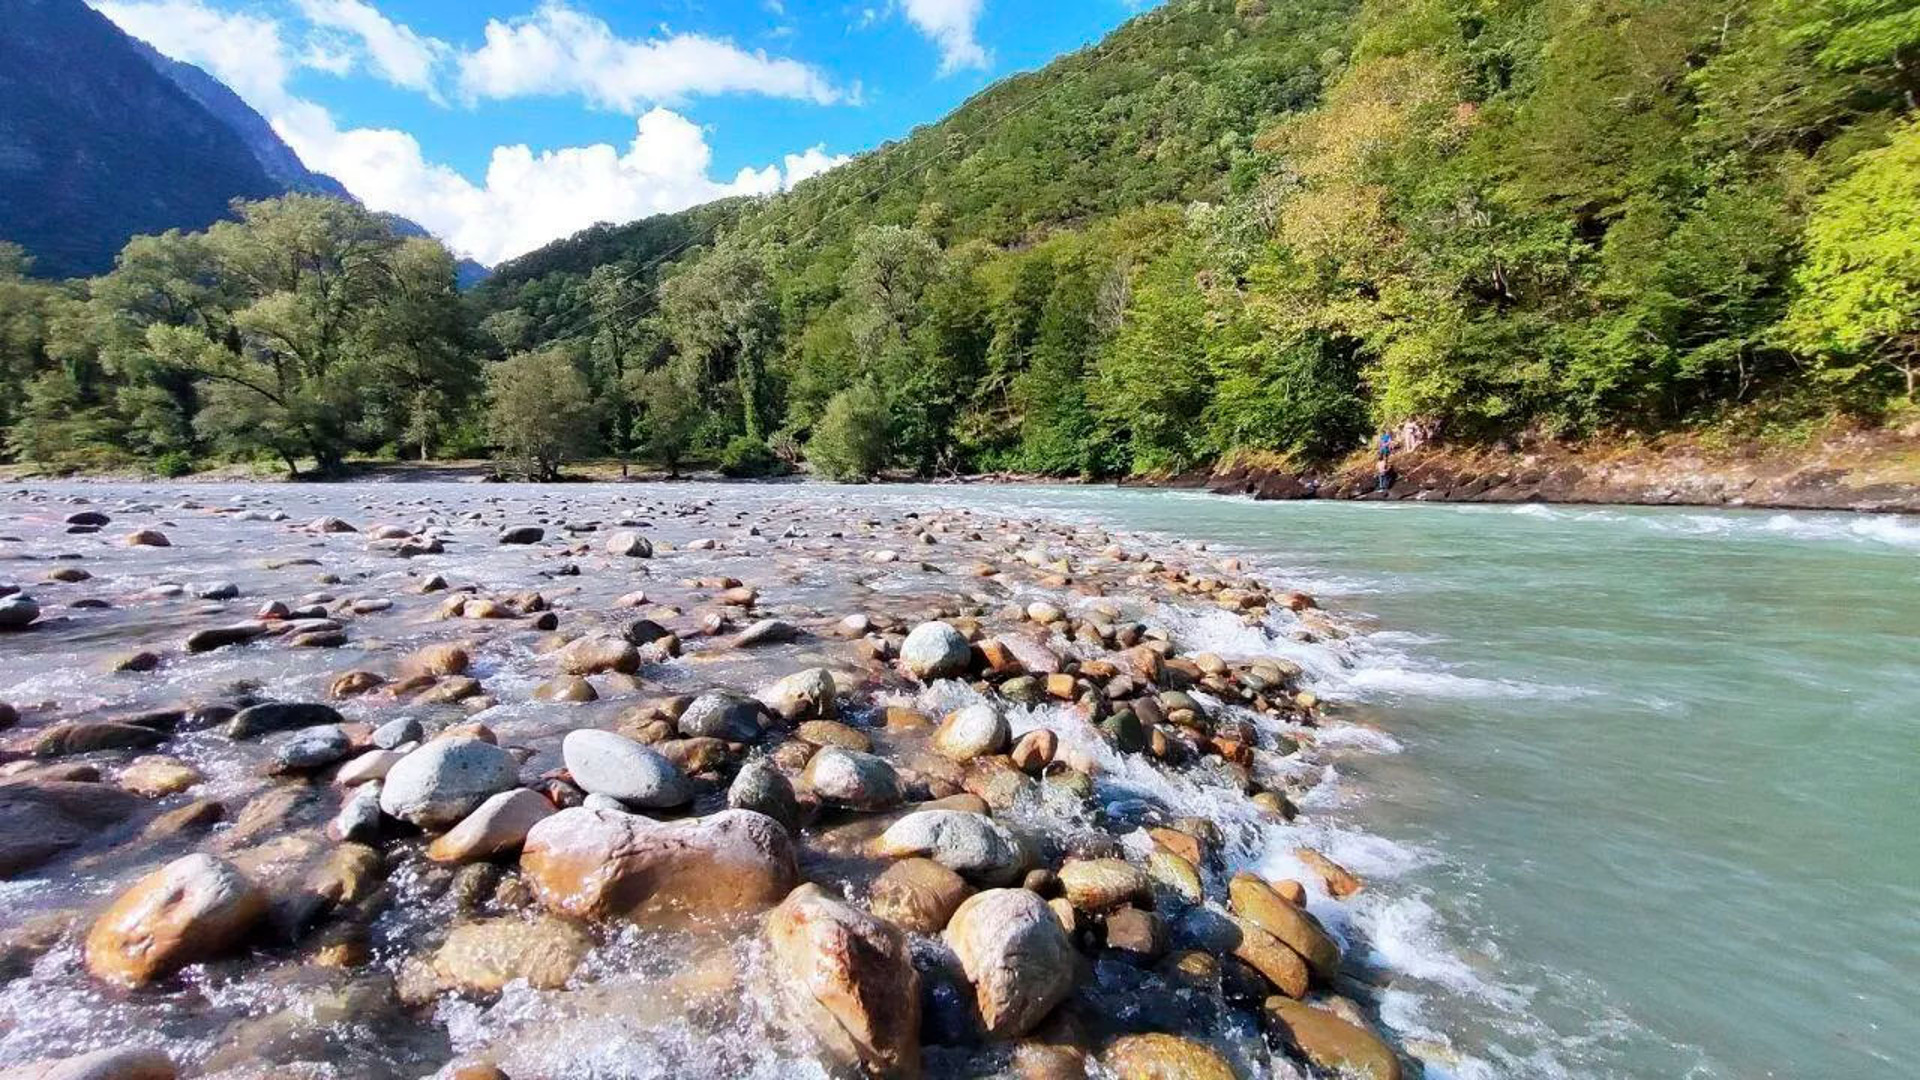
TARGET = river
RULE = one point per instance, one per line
(1656, 812)
(1632, 789)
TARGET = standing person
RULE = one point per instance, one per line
(1383, 470)
(1386, 445)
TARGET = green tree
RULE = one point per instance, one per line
(722, 315)
(293, 365)
(1858, 305)
(1151, 385)
(539, 411)
(669, 415)
(850, 442)
(416, 339)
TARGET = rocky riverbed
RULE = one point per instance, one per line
(648, 781)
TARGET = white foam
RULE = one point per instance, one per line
(1406, 936)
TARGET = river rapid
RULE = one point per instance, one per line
(1631, 791)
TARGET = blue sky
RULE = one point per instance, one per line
(501, 126)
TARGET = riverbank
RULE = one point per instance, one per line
(1867, 472)
(562, 781)
(1876, 471)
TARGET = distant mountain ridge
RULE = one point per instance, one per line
(103, 138)
(275, 157)
(96, 146)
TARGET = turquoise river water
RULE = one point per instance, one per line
(1656, 806)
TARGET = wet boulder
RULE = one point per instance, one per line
(17, 612)
(761, 787)
(972, 845)
(39, 820)
(723, 714)
(935, 650)
(125, 1063)
(1255, 901)
(598, 655)
(86, 736)
(157, 776)
(1017, 956)
(1230, 935)
(1140, 936)
(359, 816)
(766, 632)
(918, 894)
(603, 763)
(629, 544)
(272, 716)
(847, 978)
(497, 826)
(219, 637)
(445, 780)
(1331, 1042)
(1023, 655)
(439, 659)
(483, 957)
(597, 864)
(313, 748)
(192, 909)
(852, 780)
(1157, 1056)
(1097, 886)
(804, 695)
(972, 732)
(1035, 751)
(398, 732)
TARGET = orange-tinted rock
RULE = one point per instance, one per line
(1339, 881)
(189, 910)
(918, 894)
(847, 977)
(1330, 1042)
(1255, 901)
(597, 864)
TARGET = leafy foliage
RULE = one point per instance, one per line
(531, 397)
(850, 442)
(1268, 225)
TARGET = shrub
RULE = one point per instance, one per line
(850, 441)
(174, 464)
(745, 456)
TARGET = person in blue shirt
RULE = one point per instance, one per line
(1383, 470)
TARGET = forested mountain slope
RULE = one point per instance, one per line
(1235, 229)
(1276, 225)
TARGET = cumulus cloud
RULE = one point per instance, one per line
(950, 24)
(244, 51)
(528, 197)
(558, 50)
(394, 52)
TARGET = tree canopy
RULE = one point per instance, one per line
(1233, 225)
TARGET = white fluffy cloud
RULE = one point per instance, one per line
(950, 24)
(528, 197)
(558, 50)
(394, 52)
(531, 197)
(244, 51)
